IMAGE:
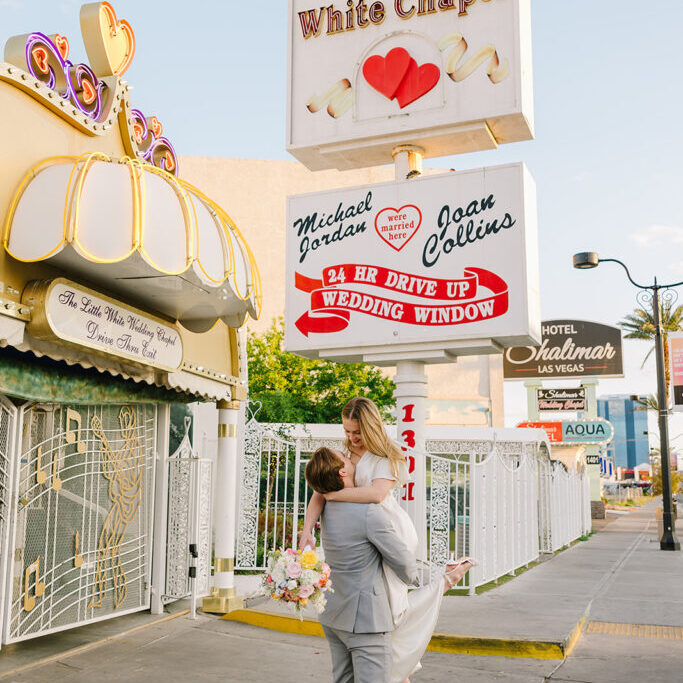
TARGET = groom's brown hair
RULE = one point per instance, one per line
(322, 471)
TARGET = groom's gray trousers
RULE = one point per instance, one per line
(359, 657)
(357, 618)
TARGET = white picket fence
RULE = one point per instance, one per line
(499, 498)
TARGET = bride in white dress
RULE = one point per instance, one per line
(414, 612)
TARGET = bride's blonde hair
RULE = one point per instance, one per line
(372, 431)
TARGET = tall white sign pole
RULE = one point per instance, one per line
(411, 388)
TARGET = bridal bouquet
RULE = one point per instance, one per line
(298, 578)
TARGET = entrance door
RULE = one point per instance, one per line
(190, 484)
(81, 518)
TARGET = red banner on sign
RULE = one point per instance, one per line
(331, 304)
(395, 280)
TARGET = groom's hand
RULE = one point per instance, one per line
(305, 539)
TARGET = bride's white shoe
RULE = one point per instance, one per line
(453, 564)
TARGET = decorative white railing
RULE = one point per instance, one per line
(501, 501)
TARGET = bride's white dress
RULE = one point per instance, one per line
(415, 612)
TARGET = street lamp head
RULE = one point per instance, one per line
(586, 259)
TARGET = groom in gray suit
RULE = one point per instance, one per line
(357, 537)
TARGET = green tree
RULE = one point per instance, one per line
(295, 389)
(640, 325)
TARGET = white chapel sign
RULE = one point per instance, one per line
(447, 261)
(78, 315)
(451, 76)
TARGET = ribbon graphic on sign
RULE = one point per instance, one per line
(331, 304)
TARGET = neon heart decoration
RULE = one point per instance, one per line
(385, 74)
(417, 82)
(118, 39)
(109, 42)
(138, 132)
(398, 226)
(89, 92)
(62, 44)
(156, 126)
(40, 57)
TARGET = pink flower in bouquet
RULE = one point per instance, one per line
(269, 579)
(306, 591)
(326, 569)
(294, 570)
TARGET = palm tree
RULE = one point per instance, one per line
(648, 402)
(640, 325)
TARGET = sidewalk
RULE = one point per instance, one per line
(618, 575)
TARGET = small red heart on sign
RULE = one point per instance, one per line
(39, 55)
(156, 127)
(417, 82)
(137, 132)
(62, 45)
(397, 227)
(89, 92)
(385, 74)
(169, 163)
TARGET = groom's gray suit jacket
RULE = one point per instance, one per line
(356, 538)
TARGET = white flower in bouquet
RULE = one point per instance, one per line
(310, 577)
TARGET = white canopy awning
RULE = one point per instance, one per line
(139, 232)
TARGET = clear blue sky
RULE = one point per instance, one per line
(606, 158)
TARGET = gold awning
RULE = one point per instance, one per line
(136, 232)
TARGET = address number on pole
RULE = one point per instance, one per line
(592, 460)
(408, 438)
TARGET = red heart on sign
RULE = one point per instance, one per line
(156, 126)
(62, 44)
(385, 74)
(417, 82)
(89, 92)
(397, 227)
(39, 55)
(137, 132)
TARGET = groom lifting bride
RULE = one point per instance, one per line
(377, 630)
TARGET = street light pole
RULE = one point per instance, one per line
(589, 259)
(668, 540)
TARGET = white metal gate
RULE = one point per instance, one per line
(81, 516)
(188, 520)
(505, 510)
(270, 506)
(8, 413)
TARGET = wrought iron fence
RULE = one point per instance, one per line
(503, 502)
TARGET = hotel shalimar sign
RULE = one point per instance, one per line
(451, 76)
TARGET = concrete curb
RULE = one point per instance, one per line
(440, 642)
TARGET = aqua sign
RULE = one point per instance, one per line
(595, 431)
